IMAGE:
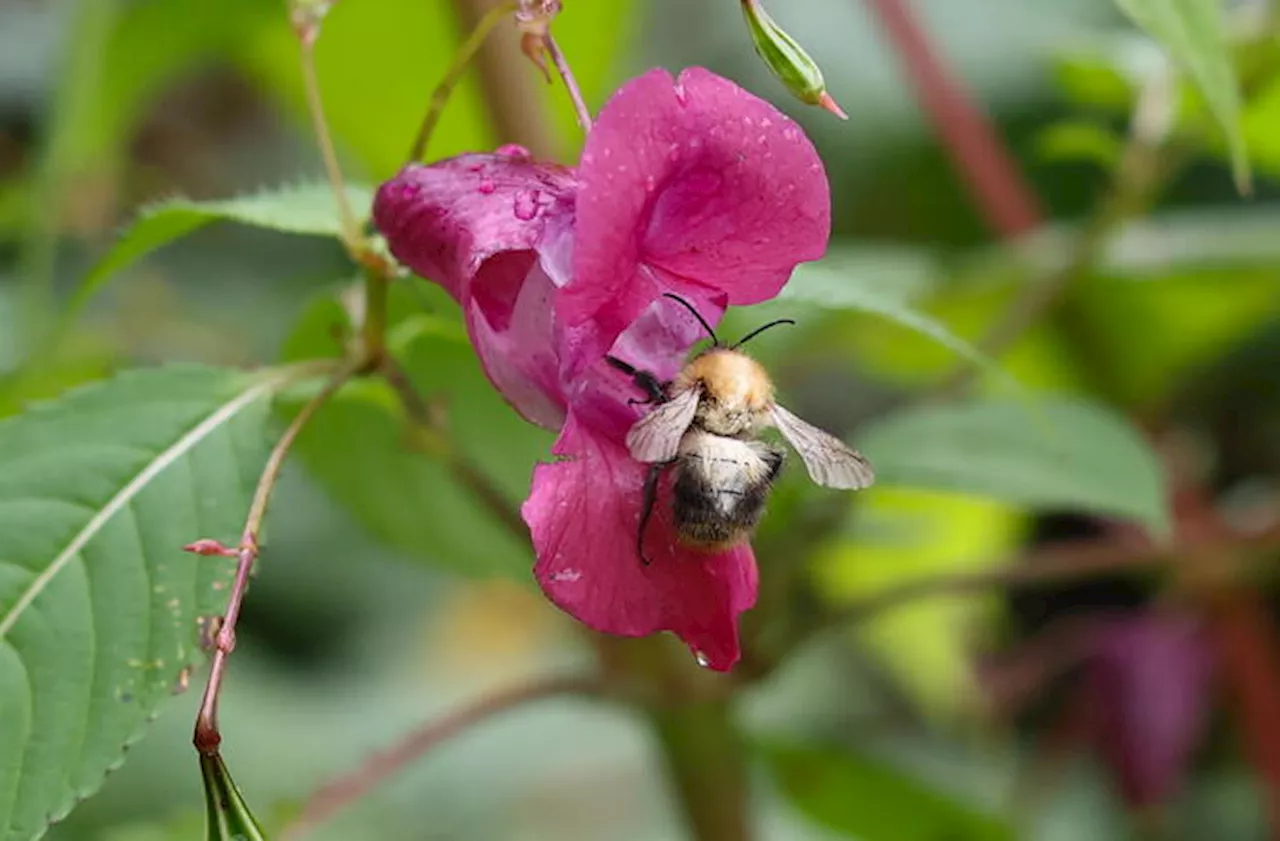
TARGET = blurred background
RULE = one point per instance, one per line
(386, 597)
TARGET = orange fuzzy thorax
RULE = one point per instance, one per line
(731, 378)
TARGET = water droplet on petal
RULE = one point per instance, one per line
(703, 660)
(487, 187)
(682, 95)
(527, 204)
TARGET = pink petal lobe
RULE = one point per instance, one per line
(496, 232)
(700, 179)
(584, 513)
(447, 220)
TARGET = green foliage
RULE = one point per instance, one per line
(229, 817)
(1080, 140)
(1058, 454)
(863, 798)
(308, 209)
(98, 602)
(1192, 32)
(363, 451)
(874, 282)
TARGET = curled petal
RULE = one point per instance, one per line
(584, 513)
(519, 357)
(496, 232)
(460, 220)
(701, 180)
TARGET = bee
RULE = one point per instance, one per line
(706, 426)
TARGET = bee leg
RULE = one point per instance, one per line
(646, 382)
(646, 506)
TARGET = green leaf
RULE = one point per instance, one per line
(361, 452)
(870, 800)
(1053, 454)
(907, 534)
(1079, 140)
(878, 282)
(1192, 32)
(98, 603)
(228, 816)
(308, 209)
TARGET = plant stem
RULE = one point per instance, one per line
(76, 92)
(374, 329)
(463, 470)
(461, 60)
(707, 766)
(513, 102)
(1245, 641)
(1146, 164)
(570, 83)
(976, 150)
(207, 736)
(1045, 568)
(350, 226)
(348, 788)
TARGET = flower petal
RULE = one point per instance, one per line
(496, 232)
(656, 343)
(521, 359)
(447, 220)
(584, 513)
(700, 179)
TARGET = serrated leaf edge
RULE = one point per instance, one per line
(126, 494)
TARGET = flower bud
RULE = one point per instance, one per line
(787, 59)
(306, 17)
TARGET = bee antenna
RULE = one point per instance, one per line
(696, 314)
(759, 330)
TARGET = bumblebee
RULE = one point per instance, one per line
(706, 426)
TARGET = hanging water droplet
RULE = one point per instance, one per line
(703, 660)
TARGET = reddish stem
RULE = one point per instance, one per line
(352, 786)
(1248, 653)
(975, 148)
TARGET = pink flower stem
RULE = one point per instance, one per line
(1006, 200)
(570, 83)
(207, 737)
(348, 788)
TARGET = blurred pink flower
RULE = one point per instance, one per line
(1151, 678)
(688, 185)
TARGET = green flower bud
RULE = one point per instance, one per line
(787, 59)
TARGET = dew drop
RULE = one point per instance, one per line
(682, 95)
(703, 660)
(487, 187)
(526, 204)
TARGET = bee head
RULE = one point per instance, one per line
(716, 344)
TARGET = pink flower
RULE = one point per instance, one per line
(688, 185)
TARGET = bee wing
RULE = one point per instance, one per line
(656, 436)
(830, 462)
